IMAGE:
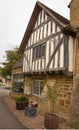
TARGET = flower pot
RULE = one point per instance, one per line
(30, 111)
(51, 121)
(21, 105)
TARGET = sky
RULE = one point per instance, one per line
(14, 18)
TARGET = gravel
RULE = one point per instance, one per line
(36, 122)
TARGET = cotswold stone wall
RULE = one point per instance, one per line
(65, 86)
(17, 71)
(74, 107)
(74, 13)
(76, 57)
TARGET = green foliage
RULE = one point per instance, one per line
(23, 99)
(0, 71)
(49, 95)
(11, 57)
(29, 84)
(1, 85)
(6, 70)
(52, 96)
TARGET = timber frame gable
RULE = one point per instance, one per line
(47, 43)
(60, 20)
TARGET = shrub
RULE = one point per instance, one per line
(23, 99)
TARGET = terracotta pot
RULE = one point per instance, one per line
(21, 105)
(51, 121)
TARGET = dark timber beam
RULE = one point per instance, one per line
(44, 39)
(66, 52)
(56, 49)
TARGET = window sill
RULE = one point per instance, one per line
(36, 95)
(18, 93)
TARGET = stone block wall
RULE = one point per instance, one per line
(65, 86)
(76, 57)
(74, 13)
(17, 71)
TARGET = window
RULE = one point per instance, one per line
(18, 83)
(39, 51)
(43, 50)
(37, 87)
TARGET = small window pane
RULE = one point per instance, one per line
(41, 86)
(39, 51)
(37, 87)
(43, 50)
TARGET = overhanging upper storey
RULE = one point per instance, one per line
(48, 43)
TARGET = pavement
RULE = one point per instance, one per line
(7, 118)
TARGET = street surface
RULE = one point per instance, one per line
(7, 119)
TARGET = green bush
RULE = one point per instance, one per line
(23, 99)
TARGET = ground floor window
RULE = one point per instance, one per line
(37, 87)
(18, 83)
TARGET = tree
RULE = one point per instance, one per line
(11, 57)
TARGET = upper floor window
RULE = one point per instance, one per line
(39, 51)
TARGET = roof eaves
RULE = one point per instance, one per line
(28, 29)
(18, 64)
(70, 30)
(54, 15)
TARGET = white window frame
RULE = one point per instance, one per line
(39, 88)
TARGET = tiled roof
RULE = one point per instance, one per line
(18, 64)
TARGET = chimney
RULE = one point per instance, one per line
(74, 13)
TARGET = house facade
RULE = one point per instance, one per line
(17, 86)
(50, 48)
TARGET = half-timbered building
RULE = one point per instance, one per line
(50, 50)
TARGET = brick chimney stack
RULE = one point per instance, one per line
(74, 13)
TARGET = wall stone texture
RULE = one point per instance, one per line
(64, 88)
(17, 71)
(74, 13)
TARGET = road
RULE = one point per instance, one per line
(7, 119)
(4, 92)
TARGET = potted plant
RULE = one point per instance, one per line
(51, 119)
(31, 110)
(22, 102)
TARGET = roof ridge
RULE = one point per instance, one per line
(63, 22)
(55, 13)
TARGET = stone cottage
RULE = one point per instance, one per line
(51, 53)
